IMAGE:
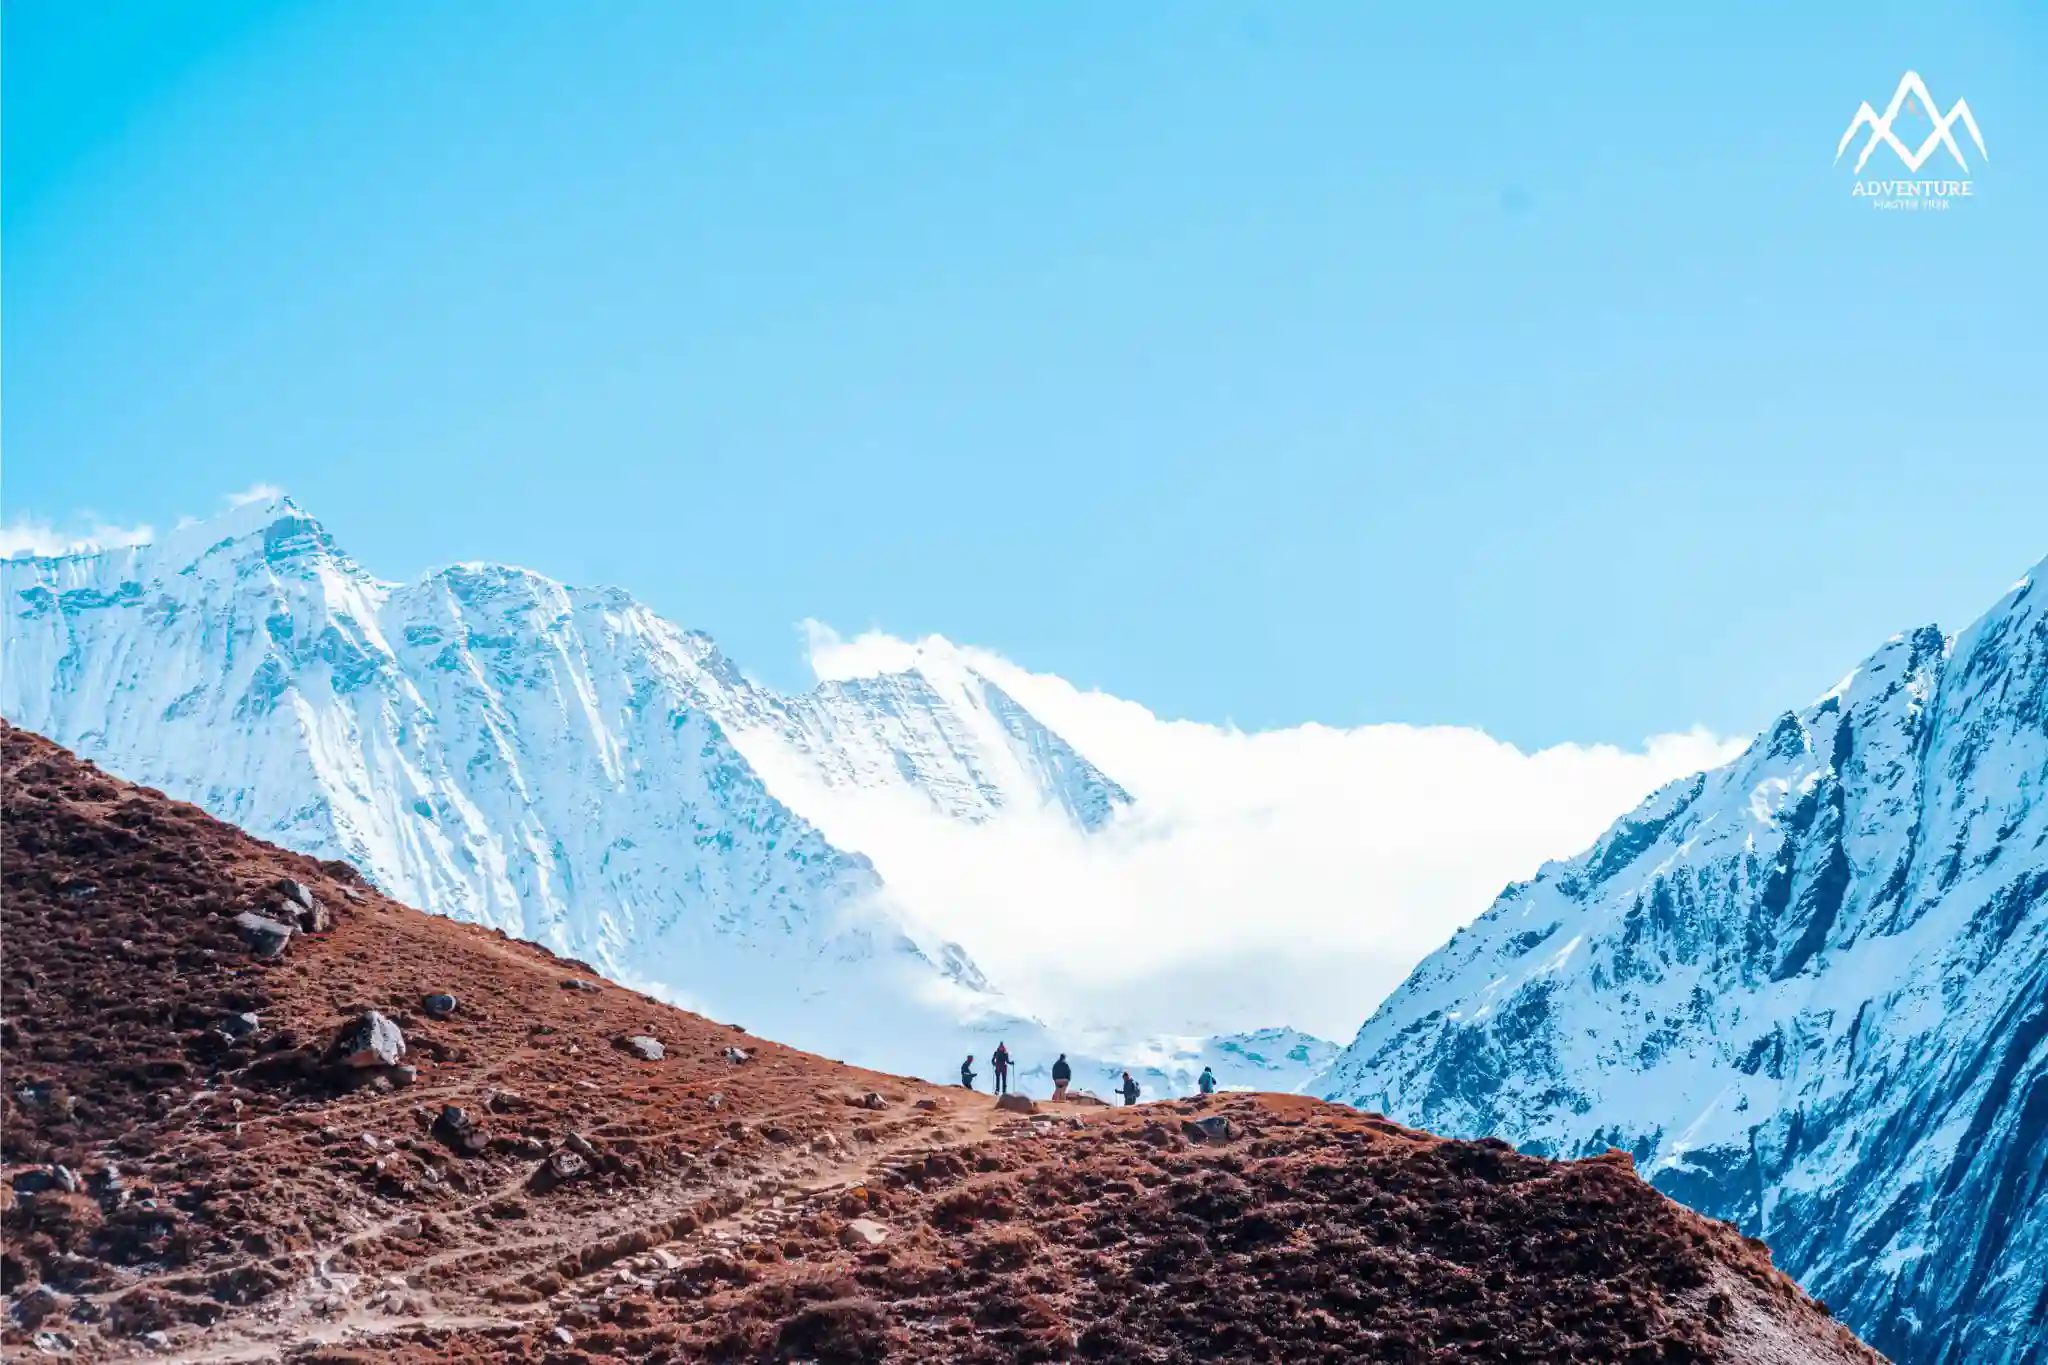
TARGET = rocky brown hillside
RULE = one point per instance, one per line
(255, 1110)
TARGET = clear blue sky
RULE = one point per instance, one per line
(1480, 364)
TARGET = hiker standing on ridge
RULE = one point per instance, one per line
(967, 1072)
(1207, 1082)
(1062, 1074)
(1130, 1089)
(1000, 1062)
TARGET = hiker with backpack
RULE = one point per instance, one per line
(1062, 1076)
(1130, 1089)
(967, 1072)
(1000, 1061)
(1207, 1082)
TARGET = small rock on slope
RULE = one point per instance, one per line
(864, 1232)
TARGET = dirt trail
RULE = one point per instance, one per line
(182, 1187)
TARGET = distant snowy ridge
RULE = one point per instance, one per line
(560, 763)
(1809, 990)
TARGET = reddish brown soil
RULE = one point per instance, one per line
(265, 1211)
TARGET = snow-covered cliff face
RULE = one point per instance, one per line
(567, 766)
(1809, 991)
(943, 736)
(939, 736)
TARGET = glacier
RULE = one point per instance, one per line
(565, 765)
(1807, 990)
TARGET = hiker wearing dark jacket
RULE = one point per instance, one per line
(1207, 1081)
(967, 1073)
(1000, 1063)
(1130, 1089)
(1062, 1075)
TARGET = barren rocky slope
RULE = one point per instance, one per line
(214, 1154)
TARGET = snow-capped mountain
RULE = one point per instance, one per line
(1808, 990)
(484, 743)
(939, 733)
(1272, 1059)
(560, 763)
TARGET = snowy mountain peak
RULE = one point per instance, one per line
(559, 762)
(485, 742)
(275, 531)
(1808, 990)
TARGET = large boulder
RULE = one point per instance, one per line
(641, 1046)
(1016, 1104)
(266, 937)
(370, 1040)
(1214, 1128)
(439, 1005)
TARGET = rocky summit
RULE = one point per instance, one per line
(218, 1148)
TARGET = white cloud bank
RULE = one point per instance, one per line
(1286, 876)
(255, 492)
(28, 534)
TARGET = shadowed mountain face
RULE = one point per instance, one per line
(1808, 990)
(258, 1110)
